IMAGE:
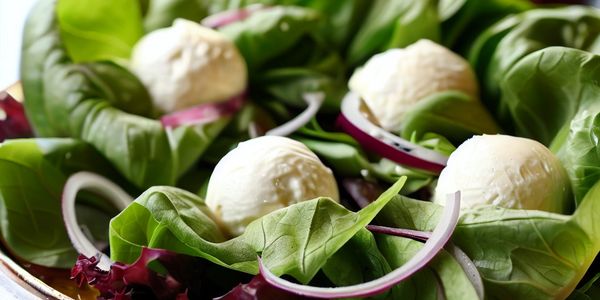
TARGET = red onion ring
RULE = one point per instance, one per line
(204, 113)
(439, 237)
(231, 16)
(408, 233)
(460, 256)
(101, 186)
(386, 144)
(314, 101)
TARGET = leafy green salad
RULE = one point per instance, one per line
(301, 149)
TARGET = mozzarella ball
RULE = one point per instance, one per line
(187, 64)
(262, 175)
(505, 171)
(390, 83)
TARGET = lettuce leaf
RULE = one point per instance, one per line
(296, 240)
(451, 114)
(552, 95)
(260, 37)
(392, 24)
(520, 254)
(100, 29)
(443, 276)
(464, 20)
(34, 172)
(502, 45)
(105, 105)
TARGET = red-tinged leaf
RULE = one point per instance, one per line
(184, 277)
(258, 289)
(13, 122)
(119, 282)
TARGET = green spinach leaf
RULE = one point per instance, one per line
(162, 13)
(358, 261)
(269, 33)
(34, 173)
(502, 45)
(464, 20)
(452, 114)
(95, 30)
(340, 19)
(296, 240)
(348, 160)
(103, 104)
(552, 95)
(519, 253)
(391, 24)
(443, 276)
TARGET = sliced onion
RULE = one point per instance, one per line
(386, 144)
(408, 233)
(204, 113)
(468, 267)
(439, 237)
(101, 186)
(230, 16)
(314, 101)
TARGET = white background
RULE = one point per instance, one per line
(12, 19)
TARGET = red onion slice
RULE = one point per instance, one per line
(204, 113)
(439, 237)
(231, 16)
(314, 101)
(388, 145)
(101, 186)
(408, 233)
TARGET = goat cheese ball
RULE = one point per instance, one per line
(506, 171)
(188, 64)
(391, 82)
(262, 175)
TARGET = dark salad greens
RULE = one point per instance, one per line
(538, 68)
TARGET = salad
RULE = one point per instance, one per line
(299, 149)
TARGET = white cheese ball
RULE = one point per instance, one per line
(505, 171)
(392, 81)
(187, 64)
(262, 175)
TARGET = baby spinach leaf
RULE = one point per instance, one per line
(99, 29)
(464, 20)
(30, 206)
(35, 171)
(103, 104)
(502, 45)
(288, 85)
(342, 153)
(580, 152)
(540, 99)
(296, 240)
(340, 20)
(350, 161)
(391, 24)
(519, 253)
(559, 110)
(270, 32)
(162, 13)
(358, 261)
(451, 114)
(443, 276)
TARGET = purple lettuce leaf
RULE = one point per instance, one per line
(258, 289)
(13, 122)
